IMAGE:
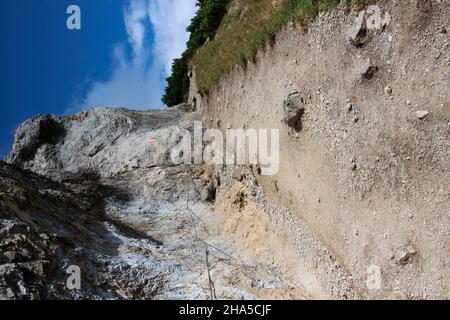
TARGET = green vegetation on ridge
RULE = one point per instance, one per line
(236, 29)
(243, 31)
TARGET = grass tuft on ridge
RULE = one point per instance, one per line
(248, 26)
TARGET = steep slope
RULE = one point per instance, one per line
(366, 162)
(108, 199)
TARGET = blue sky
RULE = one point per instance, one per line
(119, 58)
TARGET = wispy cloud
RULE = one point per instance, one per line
(138, 82)
(134, 16)
(170, 19)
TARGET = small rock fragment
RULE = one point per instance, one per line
(422, 114)
(388, 90)
(10, 256)
(368, 70)
(293, 109)
(358, 35)
(404, 256)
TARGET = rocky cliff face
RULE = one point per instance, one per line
(98, 191)
(109, 140)
(111, 185)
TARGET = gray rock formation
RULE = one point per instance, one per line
(111, 174)
(98, 191)
(111, 140)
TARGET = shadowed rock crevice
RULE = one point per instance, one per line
(294, 109)
(34, 134)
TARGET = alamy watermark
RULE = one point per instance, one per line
(73, 22)
(373, 281)
(234, 147)
(73, 282)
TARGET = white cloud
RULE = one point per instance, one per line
(130, 85)
(170, 19)
(134, 17)
(139, 82)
